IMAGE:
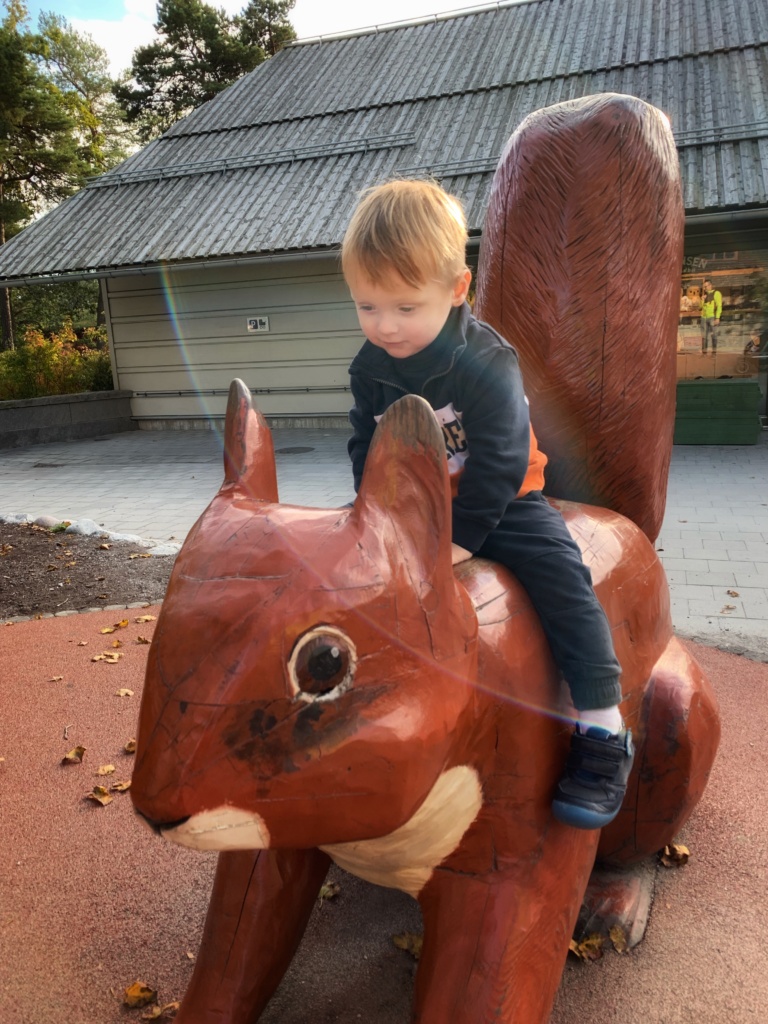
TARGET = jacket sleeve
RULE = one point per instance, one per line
(497, 428)
(363, 426)
(718, 305)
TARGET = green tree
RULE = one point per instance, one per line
(79, 68)
(199, 53)
(40, 161)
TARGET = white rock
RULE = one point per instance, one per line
(47, 521)
(86, 527)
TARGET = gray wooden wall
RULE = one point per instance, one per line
(178, 335)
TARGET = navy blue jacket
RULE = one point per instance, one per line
(471, 377)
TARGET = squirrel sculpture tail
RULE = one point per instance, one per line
(580, 270)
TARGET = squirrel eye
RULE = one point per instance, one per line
(322, 664)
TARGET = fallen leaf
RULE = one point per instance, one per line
(158, 1012)
(121, 624)
(190, 955)
(618, 938)
(55, 679)
(75, 756)
(123, 693)
(142, 640)
(732, 593)
(82, 643)
(675, 855)
(99, 795)
(117, 643)
(120, 787)
(130, 747)
(145, 618)
(106, 769)
(111, 657)
(588, 949)
(728, 608)
(410, 942)
(136, 554)
(328, 891)
(139, 994)
(104, 547)
(108, 629)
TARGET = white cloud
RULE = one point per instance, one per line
(121, 38)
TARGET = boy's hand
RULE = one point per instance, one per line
(459, 554)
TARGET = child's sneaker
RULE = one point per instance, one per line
(591, 791)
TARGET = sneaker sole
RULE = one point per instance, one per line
(581, 817)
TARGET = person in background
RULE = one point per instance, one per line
(711, 308)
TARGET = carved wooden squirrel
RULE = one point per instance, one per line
(322, 685)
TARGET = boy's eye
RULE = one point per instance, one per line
(407, 309)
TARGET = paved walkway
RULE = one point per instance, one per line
(714, 540)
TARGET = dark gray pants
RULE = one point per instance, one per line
(708, 331)
(533, 541)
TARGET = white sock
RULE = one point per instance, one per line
(605, 718)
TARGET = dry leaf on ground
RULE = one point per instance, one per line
(123, 693)
(619, 938)
(55, 679)
(328, 891)
(99, 795)
(75, 756)
(106, 769)
(120, 787)
(130, 746)
(110, 657)
(145, 618)
(142, 640)
(590, 948)
(139, 994)
(410, 942)
(161, 1012)
(675, 855)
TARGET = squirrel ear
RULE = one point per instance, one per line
(406, 476)
(249, 455)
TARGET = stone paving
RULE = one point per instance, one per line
(713, 543)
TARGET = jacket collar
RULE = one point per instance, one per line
(374, 361)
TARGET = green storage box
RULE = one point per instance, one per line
(717, 412)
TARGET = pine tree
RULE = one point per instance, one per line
(39, 158)
(199, 53)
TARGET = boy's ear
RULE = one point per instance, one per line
(461, 287)
(406, 477)
(249, 455)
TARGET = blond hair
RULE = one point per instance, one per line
(413, 229)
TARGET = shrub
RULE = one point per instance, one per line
(60, 364)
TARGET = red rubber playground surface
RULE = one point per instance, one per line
(91, 902)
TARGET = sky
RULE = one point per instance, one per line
(120, 26)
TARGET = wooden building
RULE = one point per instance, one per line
(217, 244)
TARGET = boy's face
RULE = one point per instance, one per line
(402, 318)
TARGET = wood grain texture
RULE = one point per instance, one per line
(580, 270)
(329, 676)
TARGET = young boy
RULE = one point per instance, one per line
(403, 258)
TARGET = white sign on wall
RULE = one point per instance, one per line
(257, 324)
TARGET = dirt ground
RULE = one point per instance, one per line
(44, 570)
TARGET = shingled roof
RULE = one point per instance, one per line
(273, 165)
